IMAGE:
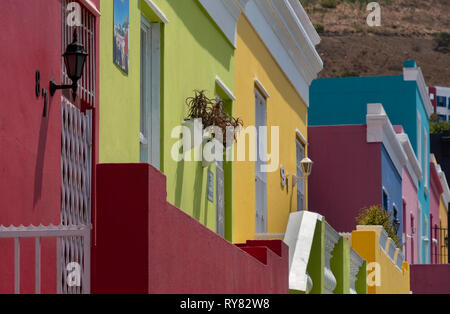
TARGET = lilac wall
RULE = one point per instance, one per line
(346, 175)
(409, 194)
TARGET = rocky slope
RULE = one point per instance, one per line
(409, 30)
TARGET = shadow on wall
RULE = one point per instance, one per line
(40, 155)
(195, 20)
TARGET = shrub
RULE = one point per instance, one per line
(442, 40)
(319, 28)
(375, 215)
(329, 4)
(439, 127)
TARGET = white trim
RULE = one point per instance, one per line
(91, 7)
(261, 88)
(380, 129)
(415, 74)
(225, 88)
(225, 14)
(412, 163)
(299, 238)
(157, 11)
(282, 32)
(301, 137)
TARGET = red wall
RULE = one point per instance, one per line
(435, 198)
(146, 245)
(430, 279)
(30, 144)
(346, 174)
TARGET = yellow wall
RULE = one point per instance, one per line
(443, 213)
(392, 279)
(285, 108)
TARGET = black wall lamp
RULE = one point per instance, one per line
(74, 60)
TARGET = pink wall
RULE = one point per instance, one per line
(435, 197)
(409, 194)
(30, 145)
(346, 175)
(430, 279)
(146, 245)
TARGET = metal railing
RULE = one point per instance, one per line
(440, 255)
(77, 240)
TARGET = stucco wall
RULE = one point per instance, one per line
(193, 53)
(30, 144)
(285, 109)
(160, 249)
(430, 279)
(392, 280)
(346, 175)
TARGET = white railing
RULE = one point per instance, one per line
(331, 239)
(391, 249)
(383, 239)
(356, 262)
(400, 259)
(77, 240)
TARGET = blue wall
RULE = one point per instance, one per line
(392, 183)
(343, 101)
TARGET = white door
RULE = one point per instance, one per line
(301, 183)
(260, 176)
(150, 93)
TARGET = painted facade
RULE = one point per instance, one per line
(435, 199)
(261, 70)
(388, 273)
(342, 101)
(366, 151)
(188, 52)
(410, 178)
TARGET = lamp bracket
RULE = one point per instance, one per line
(54, 87)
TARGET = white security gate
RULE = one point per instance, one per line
(76, 172)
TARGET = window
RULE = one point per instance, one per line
(385, 200)
(441, 101)
(442, 117)
(300, 184)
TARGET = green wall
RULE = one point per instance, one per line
(193, 52)
(316, 263)
(340, 266)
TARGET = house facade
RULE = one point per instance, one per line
(367, 172)
(175, 47)
(275, 63)
(342, 101)
(440, 97)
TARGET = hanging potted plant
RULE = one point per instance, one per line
(213, 117)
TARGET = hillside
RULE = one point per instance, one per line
(409, 30)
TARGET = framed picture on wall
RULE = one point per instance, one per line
(121, 27)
